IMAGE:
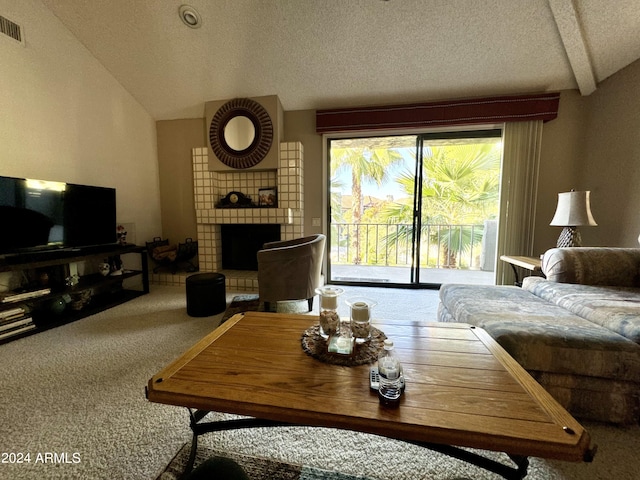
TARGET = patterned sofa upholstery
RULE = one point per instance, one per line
(577, 331)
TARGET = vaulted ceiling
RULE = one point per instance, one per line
(334, 53)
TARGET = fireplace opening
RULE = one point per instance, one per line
(241, 242)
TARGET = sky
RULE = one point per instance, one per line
(390, 187)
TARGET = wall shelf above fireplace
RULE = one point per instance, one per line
(282, 216)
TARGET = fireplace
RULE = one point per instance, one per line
(210, 186)
(241, 242)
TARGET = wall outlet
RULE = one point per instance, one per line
(315, 221)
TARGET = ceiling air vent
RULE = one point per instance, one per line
(11, 30)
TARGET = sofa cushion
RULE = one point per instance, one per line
(539, 335)
(615, 308)
(593, 266)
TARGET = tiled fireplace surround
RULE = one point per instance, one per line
(209, 187)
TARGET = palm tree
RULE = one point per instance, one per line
(460, 186)
(368, 161)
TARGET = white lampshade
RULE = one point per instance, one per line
(574, 210)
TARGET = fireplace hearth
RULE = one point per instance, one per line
(241, 242)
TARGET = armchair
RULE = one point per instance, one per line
(290, 269)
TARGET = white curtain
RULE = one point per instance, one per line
(518, 192)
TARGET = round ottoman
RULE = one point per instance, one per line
(205, 294)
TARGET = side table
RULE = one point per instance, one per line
(528, 263)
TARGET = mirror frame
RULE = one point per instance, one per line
(263, 138)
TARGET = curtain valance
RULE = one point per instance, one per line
(515, 108)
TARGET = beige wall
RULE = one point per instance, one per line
(560, 162)
(611, 159)
(176, 138)
(594, 144)
(300, 126)
(65, 118)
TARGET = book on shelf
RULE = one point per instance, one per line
(11, 312)
(12, 318)
(5, 326)
(9, 297)
(17, 331)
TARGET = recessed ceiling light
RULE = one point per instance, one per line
(190, 16)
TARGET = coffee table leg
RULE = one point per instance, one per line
(522, 463)
(192, 457)
(505, 471)
(194, 418)
(200, 428)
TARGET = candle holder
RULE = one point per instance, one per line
(329, 318)
(361, 318)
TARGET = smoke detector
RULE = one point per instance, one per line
(190, 16)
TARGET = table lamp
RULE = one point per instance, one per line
(573, 210)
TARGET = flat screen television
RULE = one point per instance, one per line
(41, 215)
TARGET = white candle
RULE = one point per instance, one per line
(329, 299)
(360, 312)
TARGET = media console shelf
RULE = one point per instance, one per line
(52, 304)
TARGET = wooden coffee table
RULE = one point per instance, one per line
(463, 390)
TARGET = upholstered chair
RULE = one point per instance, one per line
(290, 269)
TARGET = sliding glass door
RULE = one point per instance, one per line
(413, 210)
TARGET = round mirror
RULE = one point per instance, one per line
(239, 133)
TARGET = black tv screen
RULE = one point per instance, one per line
(38, 215)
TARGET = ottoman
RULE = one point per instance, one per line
(206, 294)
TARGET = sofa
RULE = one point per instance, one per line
(577, 331)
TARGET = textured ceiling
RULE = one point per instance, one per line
(335, 53)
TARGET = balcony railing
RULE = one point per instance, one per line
(383, 244)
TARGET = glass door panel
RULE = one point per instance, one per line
(459, 201)
(414, 210)
(371, 209)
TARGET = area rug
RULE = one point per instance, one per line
(251, 303)
(255, 468)
(243, 303)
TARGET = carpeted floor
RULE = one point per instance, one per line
(78, 392)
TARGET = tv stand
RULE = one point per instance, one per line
(54, 304)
